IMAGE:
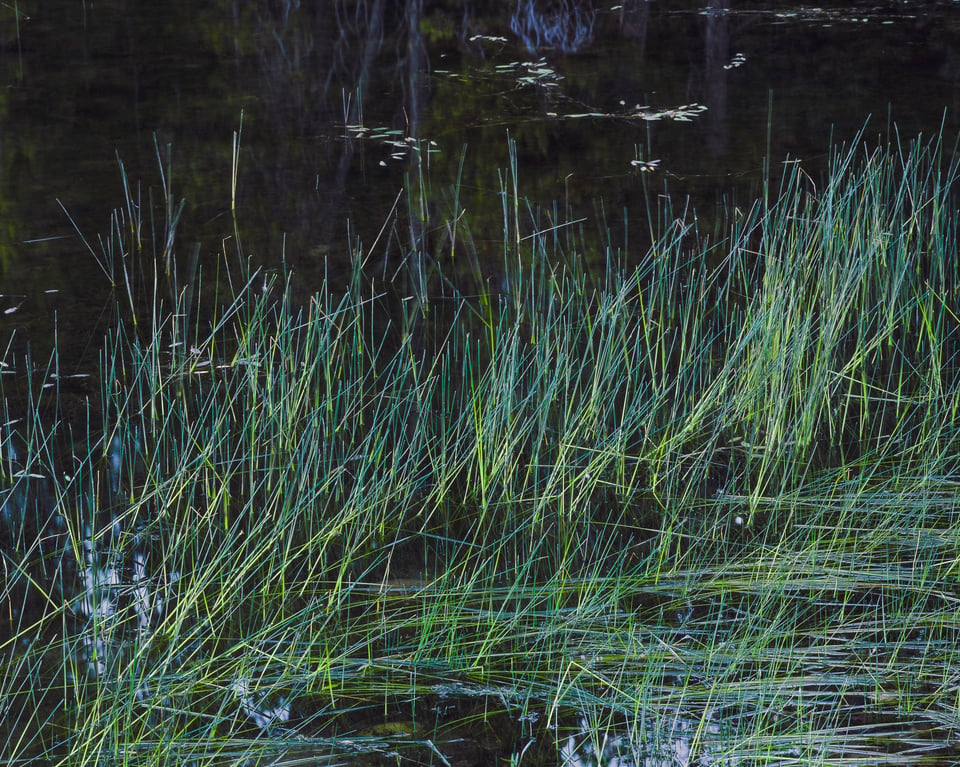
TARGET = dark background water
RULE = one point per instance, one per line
(87, 83)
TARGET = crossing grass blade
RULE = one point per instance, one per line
(698, 507)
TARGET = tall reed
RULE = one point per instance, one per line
(699, 505)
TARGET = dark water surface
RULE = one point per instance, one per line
(87, 83)
(353, 119)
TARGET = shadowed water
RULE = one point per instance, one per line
(341, 128)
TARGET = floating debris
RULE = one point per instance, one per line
(738, 60)
(400, 145)
(536, 73)
(684, 113)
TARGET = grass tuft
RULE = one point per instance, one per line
(699, 508)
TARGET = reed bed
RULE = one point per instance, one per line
(698, 510)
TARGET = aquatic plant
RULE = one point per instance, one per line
(697, 509)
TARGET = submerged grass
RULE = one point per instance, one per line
(700, 510)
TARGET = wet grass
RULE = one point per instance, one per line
(701, 510)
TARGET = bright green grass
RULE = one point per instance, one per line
(708, 501)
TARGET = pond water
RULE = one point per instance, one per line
(730, 84)
(332, 125)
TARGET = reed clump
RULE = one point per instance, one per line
(700, 507)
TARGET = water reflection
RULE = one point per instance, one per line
(565, 26)
(118, 601)
(717, 67)
(673, 741)
(300, 73)
(259, 708)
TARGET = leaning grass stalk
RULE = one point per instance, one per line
(707, 498)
